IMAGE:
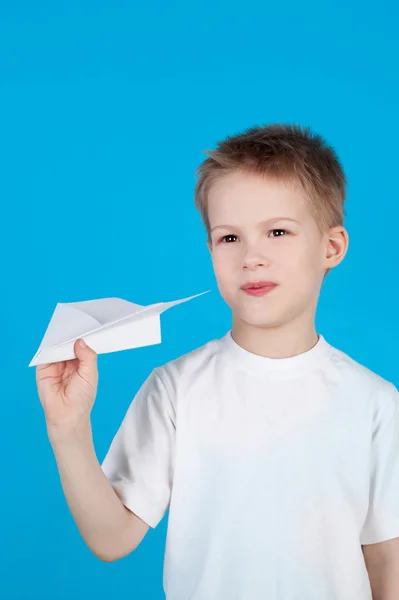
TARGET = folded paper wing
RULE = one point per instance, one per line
(106, 325)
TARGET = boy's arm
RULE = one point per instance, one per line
(109, 529)
(382, 563)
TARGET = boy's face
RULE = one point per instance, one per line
(288, 249)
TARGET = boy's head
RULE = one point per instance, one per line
(272, 201)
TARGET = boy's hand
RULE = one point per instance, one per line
(67, 390)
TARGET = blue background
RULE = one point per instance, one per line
(105, 111)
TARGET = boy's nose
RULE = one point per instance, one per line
(254, 258)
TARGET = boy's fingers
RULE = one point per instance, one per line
(86, 355)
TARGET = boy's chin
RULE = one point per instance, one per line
(261, 318)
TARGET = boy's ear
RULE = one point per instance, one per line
(336, 246)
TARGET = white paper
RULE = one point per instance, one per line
(106, 325)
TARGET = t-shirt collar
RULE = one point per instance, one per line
(283, 367)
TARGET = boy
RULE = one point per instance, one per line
(277, 454)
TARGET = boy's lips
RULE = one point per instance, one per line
(258, 288)
(258, 284)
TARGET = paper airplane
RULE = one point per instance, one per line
(106, 325)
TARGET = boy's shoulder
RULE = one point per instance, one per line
(357, 372)
(197, 360)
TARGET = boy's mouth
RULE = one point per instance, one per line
(258, 288)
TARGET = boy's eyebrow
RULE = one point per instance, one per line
(260, 224)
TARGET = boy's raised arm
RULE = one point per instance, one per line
(67, 392)
(109, 529)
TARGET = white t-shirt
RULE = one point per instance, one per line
(275, 471)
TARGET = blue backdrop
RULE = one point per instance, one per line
(105, 111)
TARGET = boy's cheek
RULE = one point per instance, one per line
(225, 270)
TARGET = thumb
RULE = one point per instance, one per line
(86, 355)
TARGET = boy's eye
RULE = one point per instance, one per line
(229, 235)
(278, 231)
(284, 231)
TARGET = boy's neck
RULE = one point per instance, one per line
(282, 341)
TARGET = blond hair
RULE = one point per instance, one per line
(286, 152)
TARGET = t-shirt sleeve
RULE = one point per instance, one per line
(382, 521)
(140, 461)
